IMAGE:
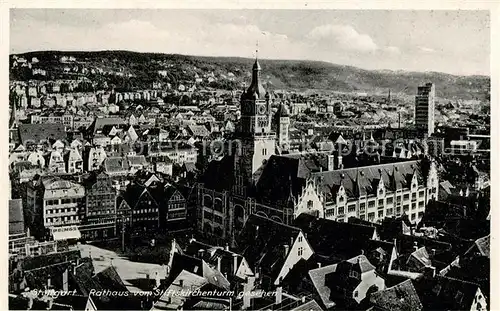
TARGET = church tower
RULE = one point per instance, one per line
(282, 124)
(256, 139)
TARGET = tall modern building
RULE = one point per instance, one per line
(424, 108)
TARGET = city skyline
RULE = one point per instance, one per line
(374, 40)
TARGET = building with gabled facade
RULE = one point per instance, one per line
(176, 205)
(55, 162)
(94, 157)
(144, 205)
(375, 192)
(74, 161)
(100, 212)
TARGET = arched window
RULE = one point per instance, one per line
(207, 201)
(218, 206)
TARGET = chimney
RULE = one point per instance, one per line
(303, 299)
(433, 253)
(219, 263)
(247, 287)
(415, 246)
(235, 264)
(331, 162)
(227, 247)
(319, 264)
(157, 279)
(65, 280)
(339, 161)
(181, 283)
(49, 282)
(430, 272)
(279, 292)
(200, 253)
(287, 249)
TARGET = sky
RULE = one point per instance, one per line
(456, 42)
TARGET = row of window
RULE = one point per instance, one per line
(212, 217)
(351, 208)
(177, 206)
(62, 201)
(60, 210)
(390, 199)
(176, 215)
(101, 203)
(102, 212)
(371, 216)
(144, 211)
(145, 219)
(59, 219)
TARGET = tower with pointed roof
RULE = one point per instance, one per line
(254, 133)
(282, 124)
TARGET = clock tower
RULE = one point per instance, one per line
(257, 140)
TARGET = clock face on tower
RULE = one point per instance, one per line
(261, 109)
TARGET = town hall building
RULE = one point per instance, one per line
(256, 177)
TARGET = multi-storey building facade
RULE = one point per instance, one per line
(375, 192)
(62, 202)
(282, 125)
(100, 220)
(424, 108)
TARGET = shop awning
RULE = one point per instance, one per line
(66, 233)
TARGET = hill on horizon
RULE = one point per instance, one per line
(280, 74)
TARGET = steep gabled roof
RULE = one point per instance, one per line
(38, 132)
(333, 239)
(443, 293)
(262, 241)
(360, 180)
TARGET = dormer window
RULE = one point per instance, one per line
(341, 199)
(354, 274)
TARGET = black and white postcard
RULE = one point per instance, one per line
(248, 156)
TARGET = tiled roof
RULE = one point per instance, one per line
(110, 279)
(333, 239)
(99, 123)
(402, 296)
(37, 132)
(422, 256)
(16, 216)
(360, 181)
(190, 282)
(311, 305)
(483, 244)
(318, 278)
(262, 241)
(443, 293)
(116, 164)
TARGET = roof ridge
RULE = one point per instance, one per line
(277, 222)
(368, 166)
